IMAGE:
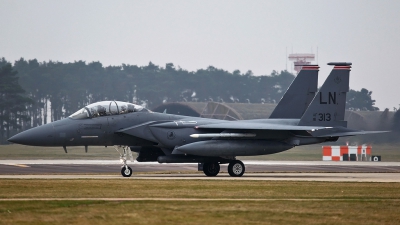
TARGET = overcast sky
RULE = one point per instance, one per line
(245, 35)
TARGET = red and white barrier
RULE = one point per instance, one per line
(335, 153)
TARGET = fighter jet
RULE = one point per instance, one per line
(301, 118)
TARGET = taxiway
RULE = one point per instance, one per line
(255, 170)
(9, 167)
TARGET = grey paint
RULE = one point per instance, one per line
(328, 105)
(299, 94)
(151, 131)
(240, 147)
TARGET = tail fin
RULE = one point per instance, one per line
(328, 106)
(299, 94)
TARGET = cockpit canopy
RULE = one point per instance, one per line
(106, 108)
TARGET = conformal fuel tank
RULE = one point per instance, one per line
(234, 147)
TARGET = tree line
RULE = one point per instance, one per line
(55, 89)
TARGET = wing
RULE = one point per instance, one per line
(241, 125)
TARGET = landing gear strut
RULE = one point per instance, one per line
(126, 171)
(211, 169)
(236, 168)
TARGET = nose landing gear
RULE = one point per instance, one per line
(126, 171)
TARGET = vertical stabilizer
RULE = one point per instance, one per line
(328, 105)
(299, 94)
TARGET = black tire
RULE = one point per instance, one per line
(236, 168)
(126, 171)
(211, 169)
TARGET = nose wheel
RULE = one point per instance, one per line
(126, 171)
(236, 168)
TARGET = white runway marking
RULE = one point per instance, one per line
(188, 199)
(246, 162)
(325, 177)
(18, 165)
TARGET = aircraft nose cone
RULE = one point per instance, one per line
(38, 136)
(14, 139)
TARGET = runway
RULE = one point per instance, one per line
(9, 167)
(113, 166)
(331, 177)
(255, 170)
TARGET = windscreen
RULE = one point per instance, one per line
(107, 108)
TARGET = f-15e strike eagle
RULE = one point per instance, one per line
(303, 116)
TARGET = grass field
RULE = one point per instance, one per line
(198, 202)
(307, 153)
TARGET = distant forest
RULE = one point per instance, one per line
(71, 86)
(63, 88)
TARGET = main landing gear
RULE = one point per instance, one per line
(126, 171)
(211, 169)
(236, 168)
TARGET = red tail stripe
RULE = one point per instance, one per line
(342, 67)
(310, 68)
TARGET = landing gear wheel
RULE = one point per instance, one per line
(211, 169)
(236, 168)
(126, 171)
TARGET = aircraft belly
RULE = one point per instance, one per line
(310, 140)
(234, 147)
(269, 134)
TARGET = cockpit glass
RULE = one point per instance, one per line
(99, 109)
(80, 114)
(125, 107)
(106, 108)
(113, 108)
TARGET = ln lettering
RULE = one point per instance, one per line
(331, 98)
